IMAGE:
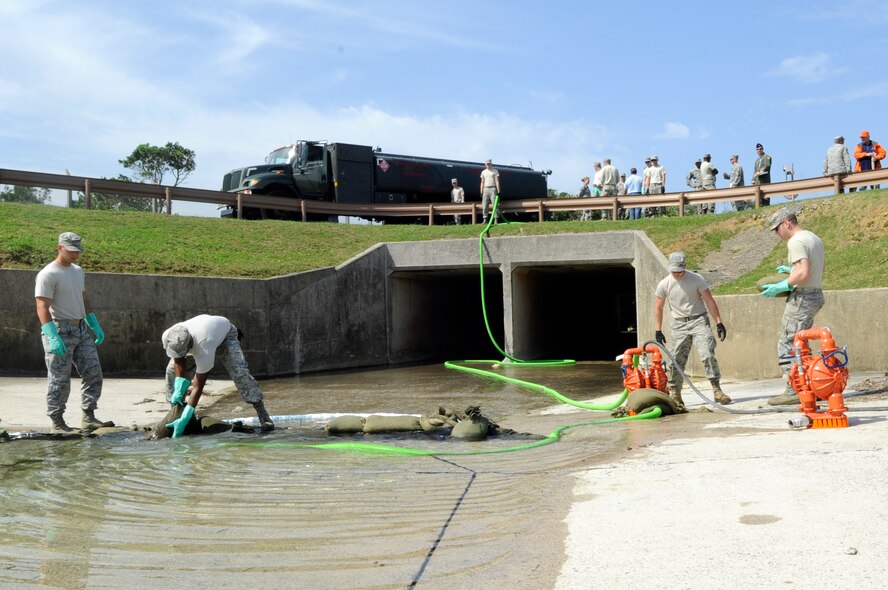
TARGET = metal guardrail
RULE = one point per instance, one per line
(540, 207)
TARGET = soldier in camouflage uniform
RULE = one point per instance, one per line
(193, 346)
(707, 182)
(735, 179)
(804, 285)
(837, 160)
(689, 298)
(65, 312)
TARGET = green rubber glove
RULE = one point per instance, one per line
(178, 425)
(775, 289)
(784, 270)
(180, 386)
(93, 322)
(56, 345)
(644, 190)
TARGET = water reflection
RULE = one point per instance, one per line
(118, 511)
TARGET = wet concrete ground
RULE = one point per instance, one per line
(703, 500)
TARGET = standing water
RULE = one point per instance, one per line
(199, 512)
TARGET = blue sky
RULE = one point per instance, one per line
(559, 85)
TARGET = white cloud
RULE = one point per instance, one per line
(673, 130)
(807, 68)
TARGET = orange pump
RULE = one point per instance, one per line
(644, 374)
(821, 377)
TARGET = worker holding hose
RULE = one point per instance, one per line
(689, 299)
(192, 347)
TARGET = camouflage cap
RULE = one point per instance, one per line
(176, 341)
(70, 241)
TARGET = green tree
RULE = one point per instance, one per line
(24, 194)
(563, 215)
(152, 163)
(113, 202)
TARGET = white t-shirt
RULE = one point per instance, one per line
(64, 285)
(656, 174)
(458, 195)
(805, 244)
(685, 295)
(488, 176)
(207, 333)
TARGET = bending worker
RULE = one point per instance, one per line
(192, 346)
(689, 297)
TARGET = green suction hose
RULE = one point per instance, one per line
(553, 437)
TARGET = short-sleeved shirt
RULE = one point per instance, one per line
(633, 185)
(207, 333)
(685, 295)
(64, 286)
(489, 177)
(656, 174)
(806, 244)
(458, 195)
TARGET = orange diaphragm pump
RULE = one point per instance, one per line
(820, 377)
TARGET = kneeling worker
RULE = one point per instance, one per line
(192, 346)
(689, 297)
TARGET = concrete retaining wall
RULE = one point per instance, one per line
(360, 313)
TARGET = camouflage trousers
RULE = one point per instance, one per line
(232, 358)
(801, 307)
(698, 332)
(488, 196)
(80, 352)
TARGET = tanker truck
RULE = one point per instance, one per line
(358, 174)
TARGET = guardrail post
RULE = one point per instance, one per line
(758, 196)
(240, 205)
(169, 200)
(431, 214)
(614, 208)
(474, 213)
(540, 212)
(682, 199)
(302, 209)
(838, 184)
(87, 195)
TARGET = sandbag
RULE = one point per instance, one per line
(473, 428)
(643, 399)
(379, 424)
(160, 429)
(770, 280)
(345, 425)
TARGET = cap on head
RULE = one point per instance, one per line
(488, 161)
(759, 146)
(707, 156)
(864, 134)
(779, 217)
(677, 262)
(839, 139)
(453, 181)
(698, 161)
(735, 157)
(654, 159)
(70, 241)
(176, 341)
(647, 160)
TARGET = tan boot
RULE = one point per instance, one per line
(89, 422)
(265, 422)
(718, 394)
(59, 426)
(788, 398)
(675, 394)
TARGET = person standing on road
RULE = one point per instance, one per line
(869, 155)
(457, 195)
(735, 179)
(192, 347)
(610, 178)
(805, 288)
(707, 182)
(837, 160)
(490, 188)
(633, 188)
(689, 298)
(65, 312)
(762, 174)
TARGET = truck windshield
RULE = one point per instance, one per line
(282, 155)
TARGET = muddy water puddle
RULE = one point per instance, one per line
(117, 511)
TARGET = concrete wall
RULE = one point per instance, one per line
(370, 311)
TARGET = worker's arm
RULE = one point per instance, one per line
(801, 270)
(711, 305)
(658, 320)
(197, 384)
(43, 314)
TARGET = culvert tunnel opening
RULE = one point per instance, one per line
(436, 315)
(583, 312)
